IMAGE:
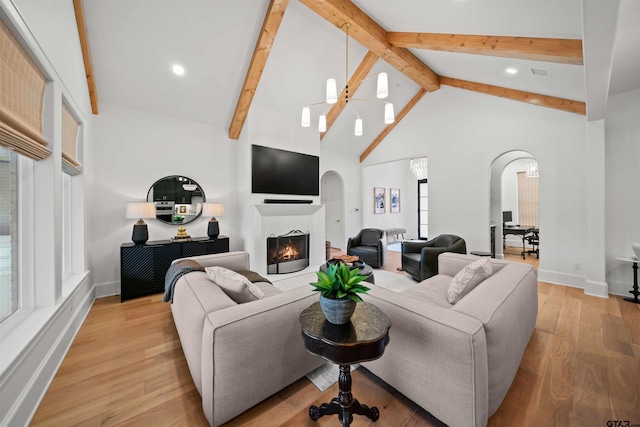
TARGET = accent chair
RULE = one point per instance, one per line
(370, 246)
(420, 258)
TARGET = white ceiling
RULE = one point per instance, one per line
(134, 43)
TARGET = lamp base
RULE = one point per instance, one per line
(213, 230)
(140, 233)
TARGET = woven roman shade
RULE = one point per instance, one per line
(69, 137)
(21, 97)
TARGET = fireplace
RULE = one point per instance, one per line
(287, 253)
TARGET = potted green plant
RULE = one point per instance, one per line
(339, 287)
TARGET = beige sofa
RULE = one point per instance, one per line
(458, 361)
(239, 354)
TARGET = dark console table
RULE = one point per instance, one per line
(363, 338)
(143, 267)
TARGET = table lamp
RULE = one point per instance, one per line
(213, 210)
(140, 210)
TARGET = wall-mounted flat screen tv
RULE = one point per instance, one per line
(275, 171)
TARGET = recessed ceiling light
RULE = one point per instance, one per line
(511, 70)
(178, 69)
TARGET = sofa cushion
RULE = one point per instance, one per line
(267, 288)
(432, 290)
(468, 278)
(237, 286)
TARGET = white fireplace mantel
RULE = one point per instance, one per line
(277, 219)
(283, 209)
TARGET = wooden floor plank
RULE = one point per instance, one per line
(126, 368)
(591, 404)
(616, 334)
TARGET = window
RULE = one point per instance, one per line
(8, 233)
(423, 209)
(527, 200)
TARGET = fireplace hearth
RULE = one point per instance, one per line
(287, 253)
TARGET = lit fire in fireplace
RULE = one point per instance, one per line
(288, 253)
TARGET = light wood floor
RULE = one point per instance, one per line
(126, 367)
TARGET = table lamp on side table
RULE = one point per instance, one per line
(213, 210)
(140, 210)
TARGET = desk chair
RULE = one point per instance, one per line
(534, 240)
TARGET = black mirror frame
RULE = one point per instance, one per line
(187, 180)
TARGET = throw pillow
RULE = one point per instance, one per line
(468, 278)
(253, 277)
(235, 285)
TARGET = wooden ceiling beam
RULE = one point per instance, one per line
(86, 54)
(372, 36)
(354, 83)
(563, 51)
(577, 107)
(417, 97)
(270, 26)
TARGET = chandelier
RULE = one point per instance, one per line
(332, 97)
(419, 167)
(532, 170)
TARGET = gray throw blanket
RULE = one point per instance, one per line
(176, 271)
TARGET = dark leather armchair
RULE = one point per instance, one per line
(420, 258)
(370, 246)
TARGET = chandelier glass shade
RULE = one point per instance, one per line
(418, 167)
(331, 97)
(531, 169)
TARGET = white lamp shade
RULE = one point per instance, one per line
(213, 209)
(140, 210)
(332, 91)
(358, 130)
(383, 86)
(306, 117)
(389, 116)
(322, 123)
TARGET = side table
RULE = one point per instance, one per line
(634, 291)
(363, 338)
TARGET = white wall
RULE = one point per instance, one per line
(133, 149)
(350, 169)
(622, 215)
(462, 132)
(391, 175)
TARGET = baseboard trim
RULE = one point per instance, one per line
(107, 289)
(558, 278)
(29, 376)
(596, 289)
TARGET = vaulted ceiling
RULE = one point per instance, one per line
(135, 43)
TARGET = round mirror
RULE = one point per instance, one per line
(178, 199)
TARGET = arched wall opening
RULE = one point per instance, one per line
(498, 201)
(332, 197)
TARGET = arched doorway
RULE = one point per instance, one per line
(509, 205)
(332, 197)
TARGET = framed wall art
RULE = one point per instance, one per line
(379, 201)
(394, 198)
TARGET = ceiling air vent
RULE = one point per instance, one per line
(540, 72)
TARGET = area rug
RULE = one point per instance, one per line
(396, 282)
(395, 247)
(327, 375)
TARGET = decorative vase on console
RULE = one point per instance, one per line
(339, 287)
(636, 249)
